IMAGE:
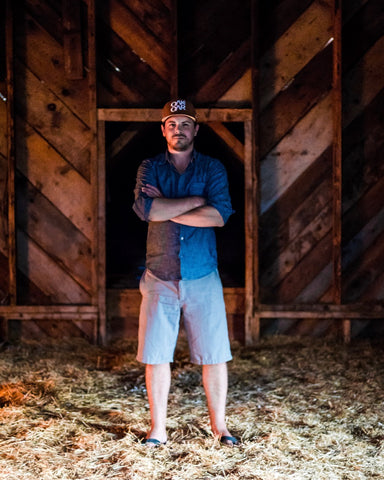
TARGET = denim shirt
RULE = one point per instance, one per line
(175, 251)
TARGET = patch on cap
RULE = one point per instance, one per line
(178, 107)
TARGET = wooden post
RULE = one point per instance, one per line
(12, 259)
(98, 184)
(73, 54)
(252, 320)
(346, 326)
(101, 244)
(337, 162)
(251, 171)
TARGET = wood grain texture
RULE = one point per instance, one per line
(295, 152)
(139, 38)
(47, 274)
(55, 234)
(43, 54)
(54, 120)
(56, 179)
(294, 49)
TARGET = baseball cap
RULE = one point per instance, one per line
(178, 107)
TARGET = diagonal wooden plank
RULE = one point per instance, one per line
(367, 202)
(47, 275)
(368, 20)
(318, 289)
(53, 120)
(229, 72)
(363, 241)
(276, 18)
(4, 279)
(294, 49)
(208, 37)
(362, 150)
(53, 232)
(55, 178)
(3, 205)
(307, 269)
(375, 293)
(291, 104)
(58, 328)
(366, 268)
(363, 82)
(121, 142)
(72, 42)
(47, 16)
(298, 248)
(139, 38)
(286, 230)
(240, 92)
(273, 223)
(360, 234)
(113, 91)
(44, 56)
(155, 15)
(135, 79)
(296, 152)
(236, 147)
(3, 124)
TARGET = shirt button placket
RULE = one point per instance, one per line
(181, 247)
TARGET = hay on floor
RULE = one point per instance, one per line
(303, 409)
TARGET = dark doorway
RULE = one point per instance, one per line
(127, 144)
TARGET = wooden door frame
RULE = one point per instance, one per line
(226, 115)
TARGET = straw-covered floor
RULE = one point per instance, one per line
(303, 409)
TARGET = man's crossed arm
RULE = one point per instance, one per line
(191, 211)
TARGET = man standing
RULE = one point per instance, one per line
(183, 195)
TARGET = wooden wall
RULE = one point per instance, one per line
(306, 81)
(51, 203)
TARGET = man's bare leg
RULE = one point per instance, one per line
(215, 381)
(158, 381)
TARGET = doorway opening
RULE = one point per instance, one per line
(126, 145)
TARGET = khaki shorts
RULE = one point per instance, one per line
(202, 303)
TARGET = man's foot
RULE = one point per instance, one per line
(229, 441)
(156, 437)
(153, 442)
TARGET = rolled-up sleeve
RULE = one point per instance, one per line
(218, 190)
(142, 204)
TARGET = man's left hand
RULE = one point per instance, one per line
(152, 191)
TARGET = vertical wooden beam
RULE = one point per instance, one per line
(337, 160)
(251, 171)
(101, 229)
(12, 258)
(73, 54)
(251, 320)
(98, 183)
(174, 87)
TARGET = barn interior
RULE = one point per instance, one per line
(290, 97)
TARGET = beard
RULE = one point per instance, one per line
(181, 143)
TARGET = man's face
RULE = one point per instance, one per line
(179, 132)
